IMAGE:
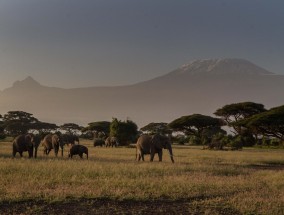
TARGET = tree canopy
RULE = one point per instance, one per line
(18, 122)
(237, 111)
(100, 126)
(195, 124)
(154, 128)
(268, 123)
(71, 128)
(125, 131)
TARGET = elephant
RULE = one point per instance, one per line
(111, 142)
(69, 139)
(147, 144)
(78, 150)
(99, 142)
(23, 143)
(52, 141)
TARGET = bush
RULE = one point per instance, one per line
(193, 140)
(274, 142)
(2, 136)
(181, 139)
(236, 143)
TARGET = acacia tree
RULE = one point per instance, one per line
(237, 111)
(18, 122)
(44, 127)
(100, 128)
(155, 128)
(2, 135)
(269, 123)
(71, 128)
(195, 124)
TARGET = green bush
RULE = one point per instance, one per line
(236, 143)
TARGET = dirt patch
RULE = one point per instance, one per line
(104, 206)
(277, 167)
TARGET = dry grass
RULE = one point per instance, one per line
(249, 181)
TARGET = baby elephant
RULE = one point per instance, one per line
(78, 150)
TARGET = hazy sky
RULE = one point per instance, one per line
(77, 43)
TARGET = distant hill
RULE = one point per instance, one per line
(201, 86)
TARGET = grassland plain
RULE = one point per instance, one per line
(250, 181)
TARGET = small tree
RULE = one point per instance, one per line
(124, 131)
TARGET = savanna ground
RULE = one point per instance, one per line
(250, 181)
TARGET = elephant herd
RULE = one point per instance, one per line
(29, 143)
(146, 144)
(108, 142)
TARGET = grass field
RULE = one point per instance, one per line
(250, 181)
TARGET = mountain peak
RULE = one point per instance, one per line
(221, 67)
(28, 82)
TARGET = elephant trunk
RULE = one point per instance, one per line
(171, 153)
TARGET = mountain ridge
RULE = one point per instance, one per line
(163, 98)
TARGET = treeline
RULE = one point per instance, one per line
(248, 124)
(14, 123)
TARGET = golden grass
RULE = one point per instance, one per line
(250, 181)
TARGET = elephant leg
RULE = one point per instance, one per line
(14, 152)
(152, 155)
(160, 154)
(55, 152)
(81, 155)
(21, 154)
(139, 154)
(142, 156)
(35, 153)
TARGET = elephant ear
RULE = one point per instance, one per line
(157, 142)
(28, 140)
